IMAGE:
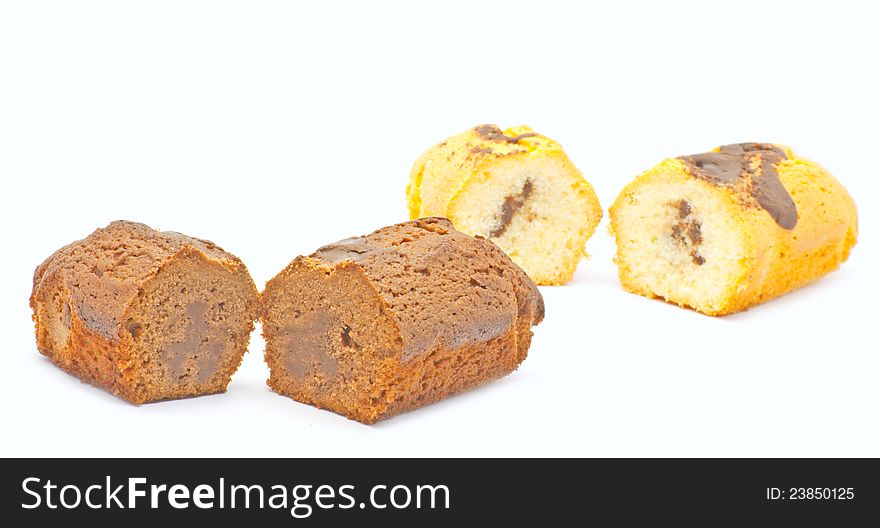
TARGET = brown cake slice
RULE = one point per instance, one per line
(373, 326)
(144, 314)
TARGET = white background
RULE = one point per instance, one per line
(275, 127)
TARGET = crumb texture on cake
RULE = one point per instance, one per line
(372, 326)
(515, 187)
(147, 315)
(725, 230)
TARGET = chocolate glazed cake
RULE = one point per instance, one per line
(724, 230)
(144, 314)
(373, 326)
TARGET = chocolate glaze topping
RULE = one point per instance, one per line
(481, 150)
(493, 133)
(737, 163)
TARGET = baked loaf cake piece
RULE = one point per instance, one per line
(373, 326)
(514, 187)
(725, 230)
(144, 314)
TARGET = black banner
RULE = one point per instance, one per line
(408, 492)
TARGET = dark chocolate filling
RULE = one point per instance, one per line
(687, 232)
(308, 350)
(200, 339)
(511, 205)
(733, 163)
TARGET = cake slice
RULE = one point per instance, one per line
(727, 229)
(373, 326)
(144, 314)
(514, 187)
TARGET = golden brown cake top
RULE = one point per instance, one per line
(750, 168)
(441, 285)
(104, 271)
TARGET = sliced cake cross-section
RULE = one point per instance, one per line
(372, 326)
(147, 315)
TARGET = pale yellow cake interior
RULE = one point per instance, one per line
(547, 233)
(514, 187)
(657, 262)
